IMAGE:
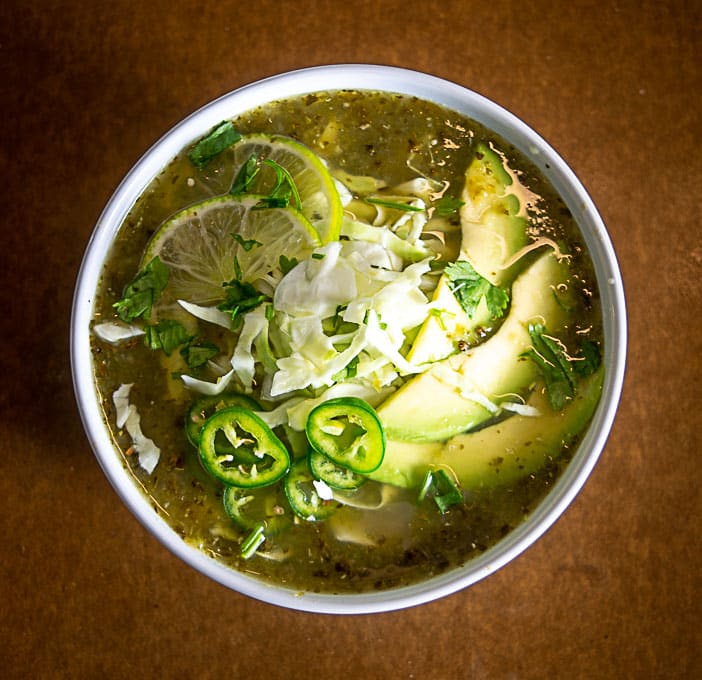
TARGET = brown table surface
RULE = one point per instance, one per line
(610, 591)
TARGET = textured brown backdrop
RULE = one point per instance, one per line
(611, 591)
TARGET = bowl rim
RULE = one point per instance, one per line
(358, 77)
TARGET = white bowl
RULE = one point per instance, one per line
(372, 78)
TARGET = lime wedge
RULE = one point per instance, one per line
(221, 238)
(320, 202)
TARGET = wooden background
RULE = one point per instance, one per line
(611, 591)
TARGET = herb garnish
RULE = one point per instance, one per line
(557, 367)
(140, 295)
(221, 137)
(287, 263)
(166, 335)
(469, 288)
(245, 176)
(198, 352)
(284, 191)
(440, 486)
(447, 205)
(395, 205)
(240, 297)
(246, 244)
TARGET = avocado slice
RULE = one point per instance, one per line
(493, 229)
(457, 393)
(498, 454)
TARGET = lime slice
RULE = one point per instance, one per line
(318, 194)
(203, 244)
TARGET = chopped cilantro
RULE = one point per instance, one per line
(246, 244)
(247, 173)
(217, 140)
(253, 541)
(140, 295)
(348, 372)
(287, 263)
(447, 205)
(240, 297)
(317, 256)
(440, 486)
(198, 352)
(395, 205)
(284, 191)
(166, 335)
(469, 288)
(557, 367)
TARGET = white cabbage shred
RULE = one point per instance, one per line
(128, 418)
(115, 332)
(209, 314)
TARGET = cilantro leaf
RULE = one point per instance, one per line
(588, 359)
(284, 190)
(287, 263)
(469, 288)
(395, 205)
(240, 297)
(198, 352)
(221, 137)
(246, 244)
(166, 335)
(558, 368)
(247, 173)
(447, 205)
(140, 295)
(440, 486)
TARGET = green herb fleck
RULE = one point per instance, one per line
(394, 205)
(287, 263)
(245, 176)
(317, 256)
(198, 352)
(469, 288)
(240, 297)
(166, 335)
(284, 191)
(140, 295)
(448, 205)
(557, 367)
(440, 486)
(253, 541)
(246, 244)
(221, 137)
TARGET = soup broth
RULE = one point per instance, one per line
(401, 168)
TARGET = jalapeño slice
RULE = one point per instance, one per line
(203, 407)
(335, 476)
(302, 495)
(348, 432)
(250, 507)
(258, 457)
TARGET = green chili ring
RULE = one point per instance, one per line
(335, 476)
(203, 407)
(348, 432)
(249, 435)
(248, 508)
(303, 497)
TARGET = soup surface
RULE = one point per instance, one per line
(347, 341)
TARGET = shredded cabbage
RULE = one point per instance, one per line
(209, 314)
(128, 417)
(115, 332)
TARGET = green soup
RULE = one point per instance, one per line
(357, 341)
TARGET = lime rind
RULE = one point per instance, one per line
(320, 200)
(217, 240)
